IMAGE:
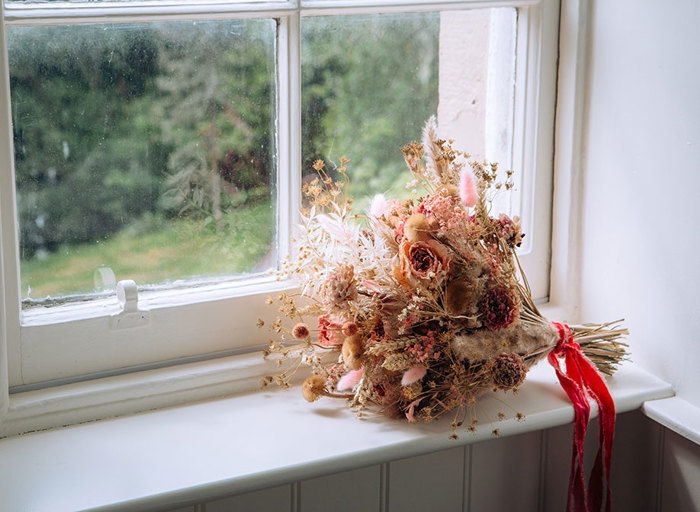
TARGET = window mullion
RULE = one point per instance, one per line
(289, 130)
(10, 368)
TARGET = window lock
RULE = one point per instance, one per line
(130, 315)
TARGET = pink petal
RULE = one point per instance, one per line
(467, 188)
(411, 408)
(350, 380)
(371, 286)
(333, 229)
(413, 374)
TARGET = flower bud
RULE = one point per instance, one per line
(417, 228)
(313, 388)
(300, 331)
(353, 352)
(349, 328)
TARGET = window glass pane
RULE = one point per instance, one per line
(143, 151)
(369, 83)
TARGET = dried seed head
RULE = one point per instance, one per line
(417, 228)
(353, 352)
(456, 297)
(313, 388)
(508, 371)
(300, 331)
(349, 328)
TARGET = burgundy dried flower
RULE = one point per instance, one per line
(300, 331)
(378, 330)
(499, 308)
(508, 371)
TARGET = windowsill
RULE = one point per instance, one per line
(197, 452)
(677, 415)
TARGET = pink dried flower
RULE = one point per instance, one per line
(467, 188)
(510, 230)
(413, 374)
(508, 371)
(350, 380)
(499, 308)
(329, 331)
(429, 347)
(340, 287)
(300, 331)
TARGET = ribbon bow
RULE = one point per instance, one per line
(580, 379)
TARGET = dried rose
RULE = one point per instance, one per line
(510, 230)
(424, 261)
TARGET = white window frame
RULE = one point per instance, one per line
(224, 312)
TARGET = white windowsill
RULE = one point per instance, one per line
(677, 415)
(193, 453)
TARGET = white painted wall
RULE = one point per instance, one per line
(640, 244)
(641, 158)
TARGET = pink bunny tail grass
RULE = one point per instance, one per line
(379, 206)
(349, 380)
(413, 374)
(467, 188)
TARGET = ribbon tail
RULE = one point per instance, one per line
(606, 420)
(570, 382)
(580, 380)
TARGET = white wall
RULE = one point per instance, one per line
(641, 173)
(641, 189)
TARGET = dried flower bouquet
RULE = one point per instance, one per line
(417, 307)
(422, 301)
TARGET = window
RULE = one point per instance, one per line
(165, 142)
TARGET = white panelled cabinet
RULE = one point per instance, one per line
(653, 469)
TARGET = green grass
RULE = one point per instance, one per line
(170, 250)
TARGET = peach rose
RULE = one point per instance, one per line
(425, 261)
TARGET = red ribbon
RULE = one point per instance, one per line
(579, 380)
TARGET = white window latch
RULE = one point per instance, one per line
(130, 315)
